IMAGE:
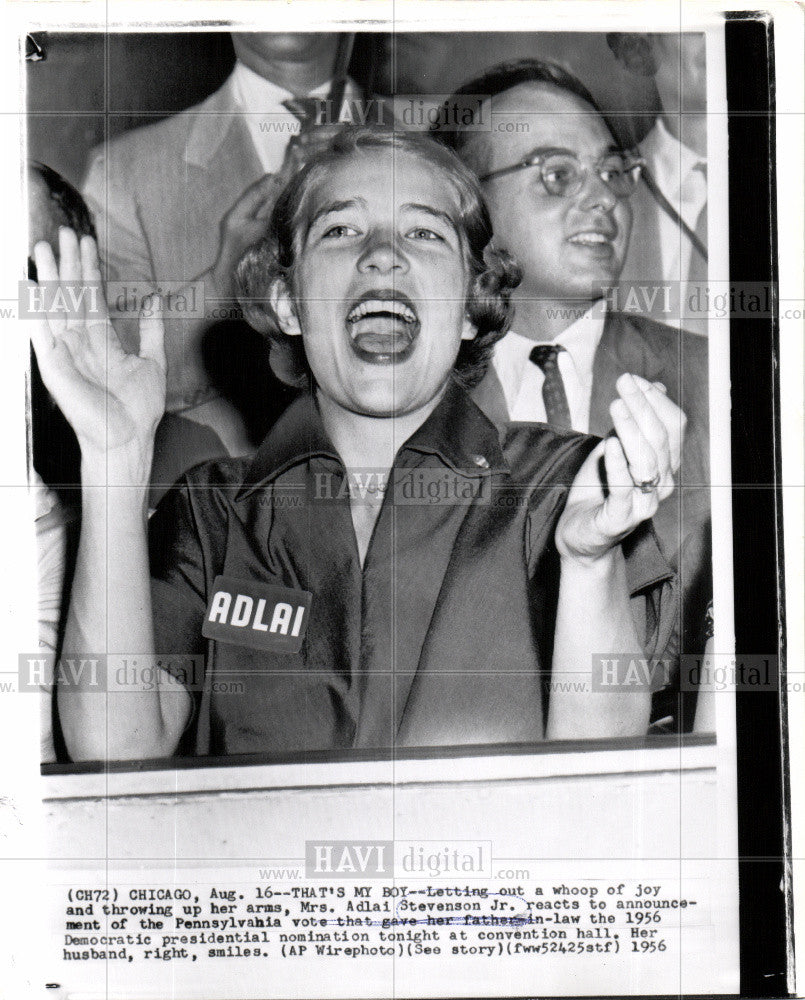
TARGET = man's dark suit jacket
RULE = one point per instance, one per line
(659, 353)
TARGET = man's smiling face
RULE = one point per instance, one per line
(380, 282)
(568, 247)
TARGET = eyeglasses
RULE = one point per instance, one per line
(564, 175)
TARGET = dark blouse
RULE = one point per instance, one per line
(444, 636)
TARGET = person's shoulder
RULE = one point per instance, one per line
(164, 139)
(224, 473)
(664, 339)
(201, 500)
(537, 453)
(658, 332)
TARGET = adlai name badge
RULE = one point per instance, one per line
(257, 615)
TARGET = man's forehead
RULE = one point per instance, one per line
(536, 114)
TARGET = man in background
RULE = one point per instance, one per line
(669, 235)
(558, 188)
(176, 204)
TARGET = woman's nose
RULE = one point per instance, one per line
(383, 255)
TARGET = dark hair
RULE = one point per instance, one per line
(505, 76)
(493, 273)
(67, 207)
(634, 50)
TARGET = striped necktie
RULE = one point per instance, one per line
(311, 113)
(553, 389)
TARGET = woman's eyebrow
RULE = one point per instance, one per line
(337, 206)
(436, 213)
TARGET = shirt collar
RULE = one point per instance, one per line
(460, 434)
(580, 340)
(260, 99)
(457, 432)
(256, 94)
(670, 160)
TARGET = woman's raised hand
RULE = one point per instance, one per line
(113, 400)
(604, 506)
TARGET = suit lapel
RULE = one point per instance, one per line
(226, 175)
(623, 348)
(210, 124)
(643, 259)
(220, 163)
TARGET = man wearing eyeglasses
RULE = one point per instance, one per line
(558, 185)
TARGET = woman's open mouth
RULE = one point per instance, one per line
(383, 327)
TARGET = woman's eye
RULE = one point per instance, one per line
(420, 233)
(336, 232)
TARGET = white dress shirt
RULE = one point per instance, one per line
(674, 168)
(522, 380)
(271, 124)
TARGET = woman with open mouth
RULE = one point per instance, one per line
(384, 571)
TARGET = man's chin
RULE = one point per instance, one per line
(602, 287)
(597, 282)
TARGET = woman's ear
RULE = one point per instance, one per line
(284, 308)
(468, 329)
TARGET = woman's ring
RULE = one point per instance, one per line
(649, 485)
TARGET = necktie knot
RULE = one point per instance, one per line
(306, 109)
(313, 114)
(545, 355)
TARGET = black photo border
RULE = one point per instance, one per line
(762, 744)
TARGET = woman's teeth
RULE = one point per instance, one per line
(382, 306)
